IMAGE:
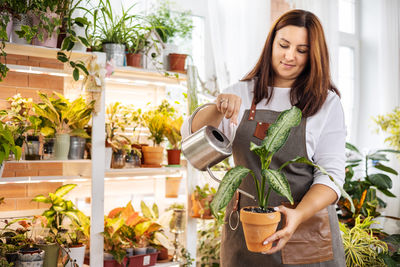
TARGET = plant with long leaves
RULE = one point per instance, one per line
(365, 175)
(276, 137)
(361, 247)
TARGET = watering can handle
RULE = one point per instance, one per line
(194, 114)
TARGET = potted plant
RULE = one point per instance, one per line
(173, 134)
(62, 114)
(7, 145)
(155, 121)
(262, 221)
(22, 33)
(74, 242)
(113, 31)
(121, 145)
(200, 201)
(169, 25)
(53, 218)
(363, 189)
(136, 47)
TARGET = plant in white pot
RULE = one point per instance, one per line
(261, 221)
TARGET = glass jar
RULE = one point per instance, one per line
(118, 159)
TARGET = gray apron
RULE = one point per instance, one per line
(316, 242)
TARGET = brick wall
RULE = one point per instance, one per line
(18, 196)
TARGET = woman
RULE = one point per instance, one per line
(293, 69)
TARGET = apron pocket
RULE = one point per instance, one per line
(311, 242)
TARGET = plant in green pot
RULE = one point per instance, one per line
(262, 221)
(62, 113)
(61, 212)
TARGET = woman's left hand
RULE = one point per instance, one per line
(293, 219)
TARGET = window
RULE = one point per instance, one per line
(348, 62)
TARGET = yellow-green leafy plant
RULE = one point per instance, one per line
(390, 123)
(361, 247)
(173, 131)
(7, 144)
(65, 116)
(156, 120)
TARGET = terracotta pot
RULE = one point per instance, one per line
(177, 62)
(174, 156)
(172, 186)
(134, 60)
(257, 227)
(163, 255)
(153, 156)
(200, 208)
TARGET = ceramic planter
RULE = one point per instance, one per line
(116, 52)
(257, 227)
(47, 41)
(140, 251)
(153, 155)
(134, 60)
(31, 258)
(174, 156)
(177, 62)
(62, 146)
(9, 25)
(77, 255)
(76, 147)
(172, 186)
(23, 19)
(51, 254)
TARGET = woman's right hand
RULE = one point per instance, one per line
(229, 105)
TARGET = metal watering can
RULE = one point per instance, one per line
(207, 147)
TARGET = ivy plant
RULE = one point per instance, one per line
(276, 137)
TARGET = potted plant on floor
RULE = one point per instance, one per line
(262, 221)
(168, 26)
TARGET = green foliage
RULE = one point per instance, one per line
(170, 24)
(156, 120)
(363, 188)
(173, 131)
(390, 123)
(361, 247)
(65, 116)
(4, 19)
(276, 137)
(209, 241)
(7, 144)
(59, 210)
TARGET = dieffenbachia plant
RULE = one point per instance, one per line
(276, 137)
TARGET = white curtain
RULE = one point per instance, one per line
(327, 12)
(238, 30)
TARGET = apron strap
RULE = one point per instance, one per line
(236, 205)
(252, 112)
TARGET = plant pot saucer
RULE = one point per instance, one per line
(166, 260)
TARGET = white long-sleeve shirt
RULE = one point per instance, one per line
(325, 130)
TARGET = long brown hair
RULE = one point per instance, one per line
(310, 89)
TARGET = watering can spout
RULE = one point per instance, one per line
(207, 147)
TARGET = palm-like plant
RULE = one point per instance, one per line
(361, 247)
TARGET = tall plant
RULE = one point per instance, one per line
(276, 137)
(365, 175)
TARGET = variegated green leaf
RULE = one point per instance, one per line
(72, 215)
(259, 150)
(279, 131)
(61, 191)
(231, 181)
(155, 210)
(147, 212)
(278, 182)
(306, 161)
(41, 198)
